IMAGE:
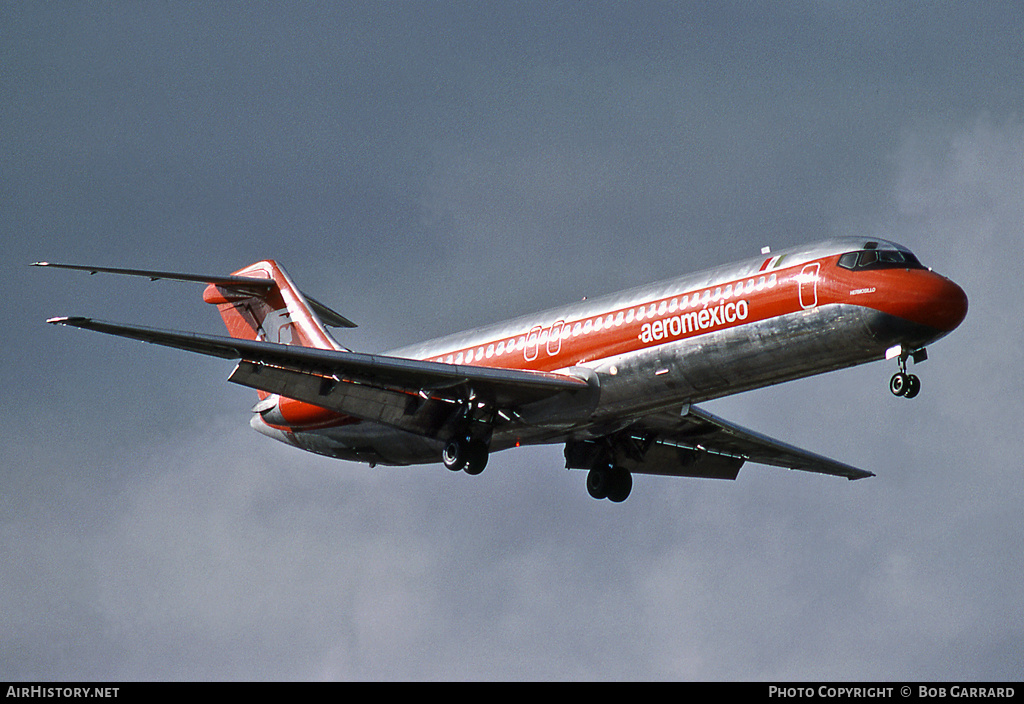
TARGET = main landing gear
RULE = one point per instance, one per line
(609, 482)
(902, 383)
(606, 477)
(465, 453)
(470, 432)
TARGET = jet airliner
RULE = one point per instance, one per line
(614, 379)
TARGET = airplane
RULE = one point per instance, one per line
(615, 379)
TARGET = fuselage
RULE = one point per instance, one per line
(751, 324)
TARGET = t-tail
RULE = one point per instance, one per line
(258, 303)
(275, 311)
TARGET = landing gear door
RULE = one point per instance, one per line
(808, 279)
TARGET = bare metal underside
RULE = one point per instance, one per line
(636, 400)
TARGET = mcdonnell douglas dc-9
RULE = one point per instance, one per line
(614, 379)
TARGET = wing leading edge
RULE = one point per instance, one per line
(418, 396)
(502, 387)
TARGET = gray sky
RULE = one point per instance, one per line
(427, 167)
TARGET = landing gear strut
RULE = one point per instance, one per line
(903, 384)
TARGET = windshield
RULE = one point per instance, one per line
(871, 258)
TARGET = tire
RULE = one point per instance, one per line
(913, 386)
(898, 384)
(621, 485)
(455, 455)
(597, 483)
(477, 459)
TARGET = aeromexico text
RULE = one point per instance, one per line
(704, 319)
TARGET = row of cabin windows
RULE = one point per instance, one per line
(602, 322)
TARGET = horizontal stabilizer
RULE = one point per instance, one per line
(243, 284)
(217, 279)
(327, 316)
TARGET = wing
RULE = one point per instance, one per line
(302, 372)
(701, 444)
(421, 397)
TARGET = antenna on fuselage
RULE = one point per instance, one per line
(766, 250)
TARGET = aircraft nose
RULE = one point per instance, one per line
(941, 303)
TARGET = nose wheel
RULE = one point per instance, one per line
(902, 383)
(906, 385)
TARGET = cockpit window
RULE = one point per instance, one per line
(871, 258)
(848, 260)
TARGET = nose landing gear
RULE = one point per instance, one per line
(906, 385)
(902, 383)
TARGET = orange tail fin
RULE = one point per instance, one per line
(278, 313)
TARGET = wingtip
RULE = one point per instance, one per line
(67, 320)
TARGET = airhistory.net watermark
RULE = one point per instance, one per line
(62, 692)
